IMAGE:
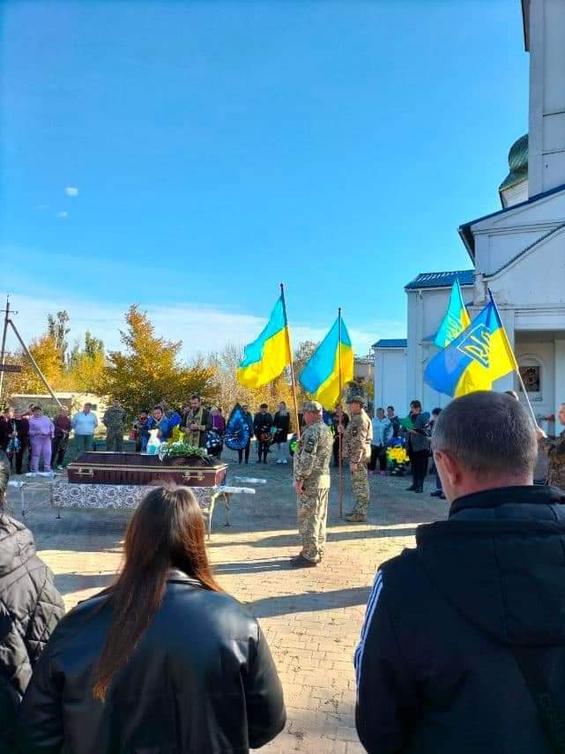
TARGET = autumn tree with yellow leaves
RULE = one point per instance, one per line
(149, 371)
(46, 355)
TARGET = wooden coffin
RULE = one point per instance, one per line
(138, 469)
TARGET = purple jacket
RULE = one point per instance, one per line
(41, 425)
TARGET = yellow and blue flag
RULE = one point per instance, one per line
(330, 366)
(265, 358)
(456, 318)
(475, 359)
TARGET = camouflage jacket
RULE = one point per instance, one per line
(357, 438)
(312, 457)
(556, 452)
(114, 418)
(203, 419)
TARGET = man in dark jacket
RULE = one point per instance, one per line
(463, 645)
(63, 426)
(30, 608)
(5, 429)
(262, 425)
(418, 446)
(281, 422)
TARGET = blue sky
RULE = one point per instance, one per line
(217, 147)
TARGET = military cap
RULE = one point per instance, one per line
(356, 398)
(313, 406)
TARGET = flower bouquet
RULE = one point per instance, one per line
(181, 449)
(397, 460)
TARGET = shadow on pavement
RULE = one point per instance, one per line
(308, 602)
(67, 583)
(253, 566)
(284, 540)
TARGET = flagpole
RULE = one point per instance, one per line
(340, 425)
(516, 368)
(292, 377)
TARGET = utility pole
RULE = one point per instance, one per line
(3, 352)
(9, 322)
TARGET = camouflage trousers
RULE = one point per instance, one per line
(312, 516)
(115, 439)
(360, 488)
(556, 476)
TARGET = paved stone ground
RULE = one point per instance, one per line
(311, 617)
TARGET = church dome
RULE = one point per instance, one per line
(517, 163)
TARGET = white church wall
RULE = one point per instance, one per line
(536, 280)
(559, 375)
(390, 378)
(414, 330)
(537, 213)
(499, 239)
(493, 250)
(547, 96)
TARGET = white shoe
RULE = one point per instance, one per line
(59, 468)
(32, 473)
(49, 474)
(285, 461)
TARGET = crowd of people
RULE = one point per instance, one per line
(461, 648)
(37, 444)
(205, 427)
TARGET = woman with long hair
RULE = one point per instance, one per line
(162, 662)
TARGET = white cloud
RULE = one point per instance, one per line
(71, 191)
(202, 328)
(62, 215)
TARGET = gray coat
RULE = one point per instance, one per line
(30, 608)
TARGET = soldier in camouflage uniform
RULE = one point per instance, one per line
(114, 420)
(312, 485)
(556, 476)
(357, 450)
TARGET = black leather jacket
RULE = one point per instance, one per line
(200, 681)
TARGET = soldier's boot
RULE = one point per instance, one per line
(299, 561)
(356, 517)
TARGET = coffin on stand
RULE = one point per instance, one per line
(119, 481)
(138, 469)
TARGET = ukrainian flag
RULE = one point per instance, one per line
(265, 358)
(456, 318)
(321, 377)
(475, 359)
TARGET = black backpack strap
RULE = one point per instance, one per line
(552, 719)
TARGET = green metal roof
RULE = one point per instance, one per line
(517, 163)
